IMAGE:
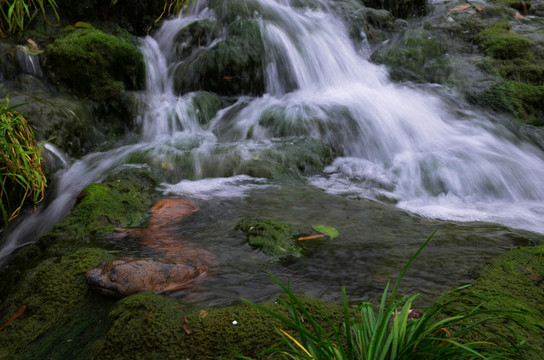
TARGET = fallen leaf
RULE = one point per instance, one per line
(311, 237)
(203, 314)
(228, 77)
(327, 230)
(17, 314)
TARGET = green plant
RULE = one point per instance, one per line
(21, 174)
(17, 14)
(389, 333)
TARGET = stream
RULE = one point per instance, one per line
(409, 159)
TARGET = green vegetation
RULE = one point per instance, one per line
(21, 172)
(17, 14)
(274, 238)
(500, 42)
(54, 294)
(513, 282)
(90, 63)
(390, 333)
(122, 200)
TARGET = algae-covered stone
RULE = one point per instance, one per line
(512, 283)
(273, 238)
(54, 294)
(91, 63)
(524, 101)
(419, 55)
(122, 200)
(206, 105)
(163, 328)
(233, 66)
(500, 42)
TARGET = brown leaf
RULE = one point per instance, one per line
(203, 314)
(186, 325)
(17, 314)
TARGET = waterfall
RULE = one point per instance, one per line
(414, 147)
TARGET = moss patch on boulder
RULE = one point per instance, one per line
(122, 200)
(273, 238)
(93, 64)
(418, 55)
(162, 328)
(524, 101)
(512, 282)
(231, 67)
(54, 294)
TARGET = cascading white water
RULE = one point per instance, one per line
(399, 144)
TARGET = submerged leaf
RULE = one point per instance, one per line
(326, 230)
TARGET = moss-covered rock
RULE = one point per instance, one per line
(206, 105)
(273, 238)
(55, 294)
(524, 101)
(500, 42)
(419, 55)
(148, 326)
(231, 67)
(194, 36)
(93, 64)
(512, 282)
(122, 200)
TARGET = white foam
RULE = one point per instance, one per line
(232, 187)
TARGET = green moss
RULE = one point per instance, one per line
(122, 200)
(512, 282)
(418, 55)
(206, 105)
(274, 238)
(91, 63)
(230, 67)
(54, 295)
(524, 101)
(500, 42)
(148, 326)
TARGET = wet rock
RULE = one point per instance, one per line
(230, 67)
(418, 55)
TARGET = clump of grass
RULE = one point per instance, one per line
(17, 14)
(390, 332)
(21, 174)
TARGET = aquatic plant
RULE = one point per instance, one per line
(395, 331)
(17, 14)
(21, 173)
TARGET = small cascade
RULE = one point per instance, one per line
(28, 61)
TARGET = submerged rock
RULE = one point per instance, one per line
(182, 264)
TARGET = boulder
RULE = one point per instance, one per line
(231, 67)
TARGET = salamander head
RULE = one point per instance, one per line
(125, 276)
